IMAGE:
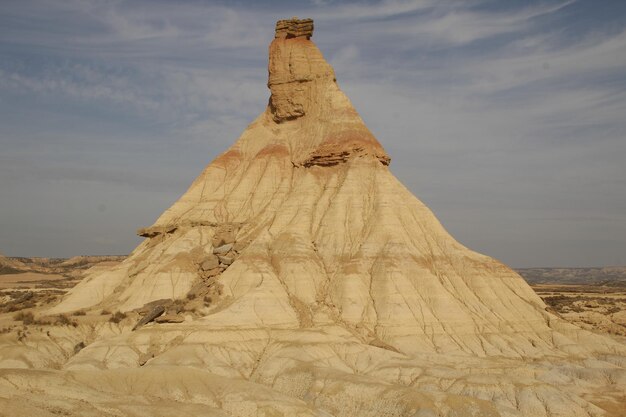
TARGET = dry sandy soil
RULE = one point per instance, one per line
(29, 284)
(595, 302)
(599, 308)
(591, 298)
(588, 306)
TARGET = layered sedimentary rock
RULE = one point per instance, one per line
(294, 28)
(325, 234)
(337, 287)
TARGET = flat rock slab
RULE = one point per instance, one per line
(148, 307)
(144, 358)
(209, 263)
(223, 238)
(223, 250)
(170, 318)
(153, 314)
(213, 272)
(226, 260)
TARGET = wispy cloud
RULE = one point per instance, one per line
(81, 83)
(375, 10)
(458, 27)
(595, 55)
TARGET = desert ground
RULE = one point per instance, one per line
(29, 286)
(591, 298)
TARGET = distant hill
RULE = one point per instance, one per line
(608, 276)
(18, 265)
(10, 266)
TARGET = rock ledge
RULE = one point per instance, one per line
(294, 28)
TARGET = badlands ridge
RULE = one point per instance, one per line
(298, 277)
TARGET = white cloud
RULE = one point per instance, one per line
(381, 9)
(596, 54)
(84, 84)
(464, 26)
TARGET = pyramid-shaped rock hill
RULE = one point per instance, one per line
(301, 224)
(298, 277)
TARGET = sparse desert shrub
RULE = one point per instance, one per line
(79, 313)
(117, 317)
(613, 309)
(21, 335)
(105, 312)
(78, 347)
(207, 300)
(49, 299)
(14, 306)
(63, 320)
(4, 269)
(191, 296)
(561, 303)
(24, 317)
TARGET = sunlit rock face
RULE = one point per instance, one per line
(340, 293)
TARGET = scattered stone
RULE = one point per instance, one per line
(145, 357)
(170, 318)
(153, 314)
(152, 304)
(209, 263)
(226, 260)
(213, 272)
(224, 236)
(223, 250)
(176, 307)
(197, 290)
(240, 245)
(156, 230)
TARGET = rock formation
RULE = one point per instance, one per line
(333, 290)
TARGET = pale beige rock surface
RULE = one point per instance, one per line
(339, 292)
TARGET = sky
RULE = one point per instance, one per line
(508, 119)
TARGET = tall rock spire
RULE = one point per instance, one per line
(297, 70)
(303, 84)
(321, 232)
